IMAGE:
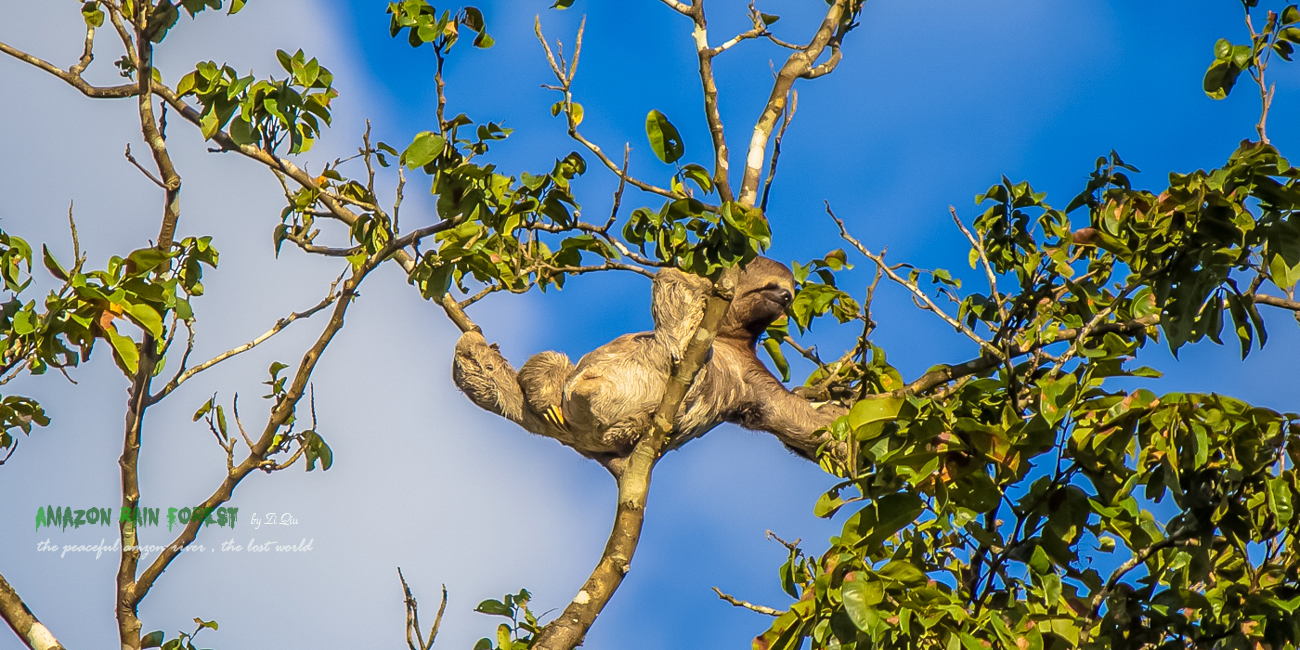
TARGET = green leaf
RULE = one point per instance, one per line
(52, 265)
(1220, 79)
(423, 149)
(92, 14)
(1284, 275)
(242, 132)
(126, 354)
(1279, 500)
(316, 449)
(768, 19)
(152, 639)
(1039, 563)
(700, 176)
(665, 141)
(904, 572)
(493, 607)
(773, 348)
(1290, 15)
(562, 4)
(203, 410)
(860, 596)
(146, 317)
(874, 409)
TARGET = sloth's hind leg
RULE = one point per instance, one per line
(542, 380)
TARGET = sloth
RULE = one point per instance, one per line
(602, 405)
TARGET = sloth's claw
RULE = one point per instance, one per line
(555, 417)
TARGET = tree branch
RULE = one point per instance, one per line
(73, 78)
(705, 54)
(153, 137)
(761, 609)
(1274, 301)
(14, 611)
(565, 79)
(920, 295)
(413, 618)
(798, 65)
(275, 329)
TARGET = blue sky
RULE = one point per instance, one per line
(933, 103)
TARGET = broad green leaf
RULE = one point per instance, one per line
(127, 356)
(874, 409)
(52, 265)
(773, 348)
(423, 149)
(665, 141)
(860, 598)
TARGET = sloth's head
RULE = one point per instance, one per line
(765, 289)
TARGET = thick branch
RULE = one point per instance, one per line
(154, 138)
(568, 630)
(14, 611)
(1274, 301)
(799, 64)
(705, 54)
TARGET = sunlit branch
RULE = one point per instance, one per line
(569, 628)
(761, 609)
(565, 80)
(279, 326)
(21, 620)
(798, 65)
(921, 296)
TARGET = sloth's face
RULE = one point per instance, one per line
(771, 300)
(765, 290)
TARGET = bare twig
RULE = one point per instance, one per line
(419, 642)
(144, 171)
(787, 116)
(921, 296)
(1137, 560)
(977, 243)
(275, 329)
(565, 79)
(761, 609)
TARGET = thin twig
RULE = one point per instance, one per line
(916, 291)
(761, 609)
(275, 329)
(791, 107)
(142, 169)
